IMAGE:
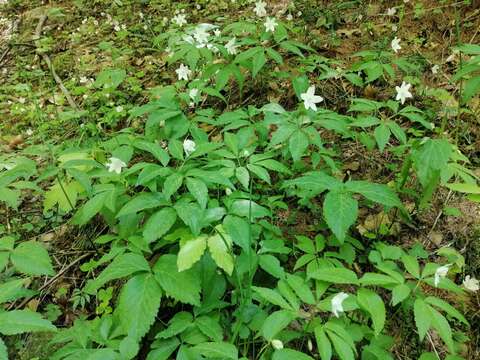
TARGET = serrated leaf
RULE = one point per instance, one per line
(163, 349)
(182, 286)
(382, 135)
(323, 344)
(218, 350)
(243, 176)
(272, 297)
(31, 258)
(190, 252)
(159, 223)
(378, 193)
(21, 321)
(89, 209)
(177, 324)
(199, 190)
(440, 324)
(239, 231)
(123, 265)
(219, 246)
(3, 351)
(210, 327)
(372, 303)
(271, 265)
(138, 305)
(400, 293)
(301, 288)
(10, 289)
(141, 202)
(275, 323)
(298, 144)
(342, 348)
(422, 316)
(290, 354)
(449, 309)
(335, 275)
(340, 211)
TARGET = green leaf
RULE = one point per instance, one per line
(464, 188)
(335, 275)
(471, 88)
(199, 191)
(289, 354)
(163, 349)
(423, 317)
(3, 351)
(271, 265)
(210, 327)
(9, 290)
(400, 293)
(372, 303)
(177, 324)
(378, 193)
(258, 62)
(340, 211)
(159, 223)
(276, 322)
(272, 297)
(440, 324)
(377, 279)
(300, 84)
(182, 286)
(64, 194)
(141, 202)
(449, 309)
(243, 176)
(341, 347)
(89, 209)
(298, 144)
(21, 321)
(31, 258)
(218, 350)
(323, 344)
(172, 184)
(382, 135)
(219, 246)
(190, 252)
(239, 231)
(260, 172)
(301, 288)
(247, 207)
(123, 265)
(138, 305)
(411, 265)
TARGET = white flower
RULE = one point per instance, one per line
(470, 283)
(180, 19)
(403, 92)
(201, 35)
(217, 32)
(435, 69)
(260, 8)
(193, 93)
(270, 24)
(336, 302)
(396, 44)
(183, 72)
(289, 17)
(391, 11)
(228, 192)
(310, 99)
(277, 344)
(189, 146)
(440, 273)
(115, 165)
(119, 109)
(231, 47)
(29, 132)
(394, 27)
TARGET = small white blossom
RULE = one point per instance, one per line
(440, 273)
(435, 69)
(183, 72)
(115, 165)
(260, 8)
(270, 24)
(403, 92)
(277, 344)
(336, 303)
(200, 34)
(391, 11)
(189, 146)
(394, 27)
(119, 109)
(471, 284)
(310, 99)
(180, 19)
(231, 47)
(396, 44)
(29, 132)
(217, 32)
(228, 192)
(289, 17)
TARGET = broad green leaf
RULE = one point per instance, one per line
(31, 258)
(123, 265)
(340, 211)
(239, 231)
(423, 317)
(400, 293)
(471, 88)
(219, 246)
(172, 184)
(199, 191)
(301, 288)
(440, 324)
(411, 265)
(379, 193)
(163, 349)
(210, 327)
(258, 62)
(217, 350)
(276, 322)
(272, 296)
(89, 209)
(323, 344)
(243, 176)
(129, 347)
(177, 324)
(464, 188)
(449, 309)
(64, 194)
(159, 223)
(342, 348)
(190, 252)
(271, 265)
(372, 303)
(298, 144)
(3, 351)
(335, 275)
(377, 279)
(382, 135)
(290, 354)
(141, 202)
(138, 305)
(10, 289)
(182, 286)
(21, 321)
(260, 172)
(247, 207)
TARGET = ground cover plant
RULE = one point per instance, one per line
(239, 179)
